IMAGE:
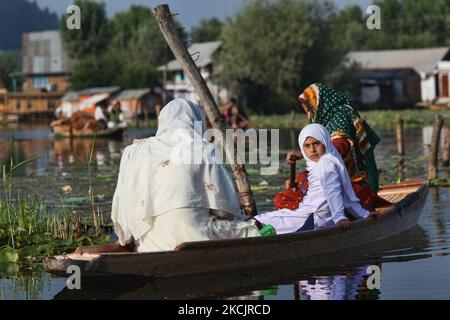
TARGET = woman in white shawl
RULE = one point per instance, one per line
(330, 190)
(171, 189)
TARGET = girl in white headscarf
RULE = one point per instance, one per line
(171, 189)
(330, 190)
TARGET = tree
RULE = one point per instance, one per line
(136, 34)
(207, 30)
(277, 48)
(348, 27)
(138, 75)
(96, 70)
(9, 62)
(411, 24)
(94, 35)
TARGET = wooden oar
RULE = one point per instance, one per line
(292, 182)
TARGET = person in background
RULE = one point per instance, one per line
(100, 116)
(116, 116)
(353, 138)
(226, 112)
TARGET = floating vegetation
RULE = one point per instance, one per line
(380, 119)
(30, 231)
(440, 182)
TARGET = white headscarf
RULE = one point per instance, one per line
(152, 180)
(320, 133)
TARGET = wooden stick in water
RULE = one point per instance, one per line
(434, 150)
(400, 138)
(446, 151)
(170, 32)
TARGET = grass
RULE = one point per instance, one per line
(30, 231)
(379, 119)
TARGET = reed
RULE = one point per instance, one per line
(29, 230)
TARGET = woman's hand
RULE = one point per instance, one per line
(129, 246)
(344, 223)
(375, 214)
(293, 156)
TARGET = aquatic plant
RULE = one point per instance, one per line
(30, 231)
(378, 119)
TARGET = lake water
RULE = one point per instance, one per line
(414, 265)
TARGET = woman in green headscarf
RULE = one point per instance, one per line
(337, 113)
(352, 137)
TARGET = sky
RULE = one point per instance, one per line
(190, 11)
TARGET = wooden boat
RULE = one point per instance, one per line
(408, 246)
(219, 256)
(63, 130)
(83, 125)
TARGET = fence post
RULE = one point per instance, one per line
(434, 150)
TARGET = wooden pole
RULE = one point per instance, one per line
(434, 150)
(400, 138)
(164, 84)
(293, 114)
(170, 32)
(292, 182)
(446, 151)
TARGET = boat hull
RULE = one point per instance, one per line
(218, 256)
(65, 132)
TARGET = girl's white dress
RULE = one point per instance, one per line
(329, 192)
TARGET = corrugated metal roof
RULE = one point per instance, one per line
(98, 90)
(43, 52)
(132, 94)
(70, 96)
(421, 60)
(93, 100)
(202, 53)
(386, 74)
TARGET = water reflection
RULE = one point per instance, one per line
(349, 286)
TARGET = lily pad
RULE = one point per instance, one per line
(9, 269)
(8, 255)
(440, 182)
(3, 234)
(259, 188)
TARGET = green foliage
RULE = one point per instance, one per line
(9, 62)
(136, 35)
(93, 37)
(277, 47)
(138, 75)
(411, 24)
(8, 255)
(440, 183)
(29, 231)
(207, 30)
(93, 70)
(378, 119)
(123, 51)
